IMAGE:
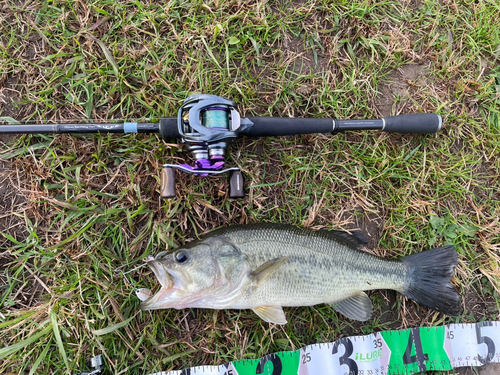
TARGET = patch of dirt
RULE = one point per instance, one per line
(300, 60)
(395, 91)
(489, 369)
(25, 293)
(414, 4)
(9, 198)
(303, 59)
(371, 226)
(5, 259)
(8, 96)
(481, 306)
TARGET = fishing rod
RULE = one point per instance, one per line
(208, 124)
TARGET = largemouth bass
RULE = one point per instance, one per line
(264, 267)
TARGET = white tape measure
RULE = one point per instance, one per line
(382, 353)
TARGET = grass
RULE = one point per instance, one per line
(79, 212)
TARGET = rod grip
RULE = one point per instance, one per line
(419, 123)
(278, 126)
(167, 187)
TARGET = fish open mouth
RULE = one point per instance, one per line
(161, 272)
(160, 299)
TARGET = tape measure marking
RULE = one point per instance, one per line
(401, 352)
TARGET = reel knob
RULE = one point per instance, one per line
(167, 187)
(236, 185)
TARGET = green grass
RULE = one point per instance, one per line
(77, 208)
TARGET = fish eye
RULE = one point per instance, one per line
(181, 257)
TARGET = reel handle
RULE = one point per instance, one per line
(167, 186)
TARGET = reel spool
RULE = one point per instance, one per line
(207, 125)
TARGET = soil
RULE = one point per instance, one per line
(398, 85)
(9, 195)
(489, 369)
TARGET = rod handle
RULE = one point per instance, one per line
(280, 126)
(418, 123)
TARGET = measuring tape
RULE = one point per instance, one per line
(401, 352)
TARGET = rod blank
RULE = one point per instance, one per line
(130, 127)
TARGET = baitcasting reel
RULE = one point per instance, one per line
(207, 124)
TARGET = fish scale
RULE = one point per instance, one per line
(264, 267)
(327, 270)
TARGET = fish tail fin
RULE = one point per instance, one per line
(429, 279)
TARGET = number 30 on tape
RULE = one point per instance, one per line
(382, 353)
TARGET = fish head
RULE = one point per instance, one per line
(205, 273)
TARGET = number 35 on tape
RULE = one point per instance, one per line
(402, 352)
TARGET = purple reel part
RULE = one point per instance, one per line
(202, 166)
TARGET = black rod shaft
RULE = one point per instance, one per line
(342, 125)
(29, 129)
(130, 127)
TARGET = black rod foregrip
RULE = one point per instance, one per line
(169, 128)
(277, 126)
(419, 123)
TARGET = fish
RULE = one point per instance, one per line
(267, 266)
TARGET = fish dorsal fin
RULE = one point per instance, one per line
(354, 239)
(263, 273)
(358, 307)
(271, 314)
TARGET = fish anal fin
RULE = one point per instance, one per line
(357, 307)
(263, 273)
(271, 314)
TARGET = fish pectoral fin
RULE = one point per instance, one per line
(271, 314)
(358, 307)
(263, 273)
